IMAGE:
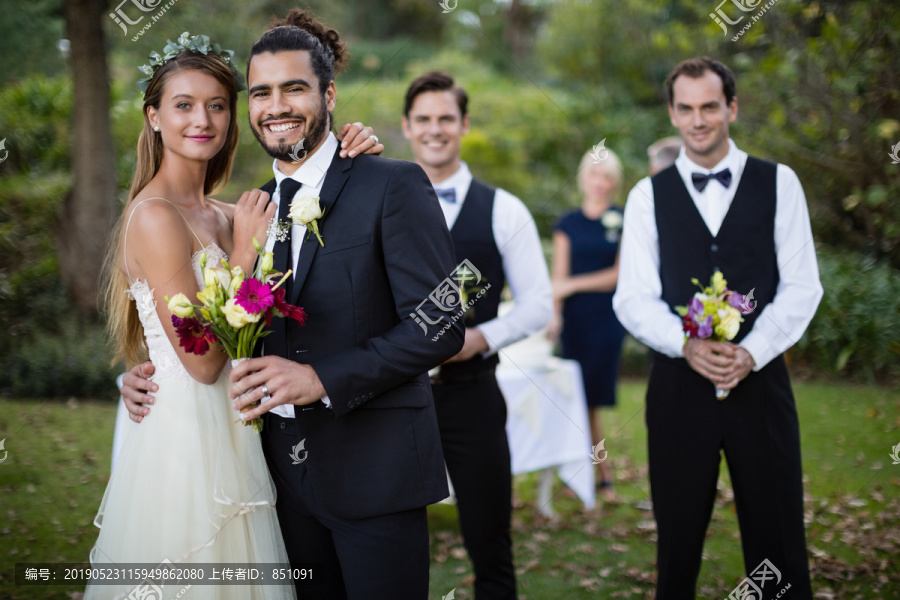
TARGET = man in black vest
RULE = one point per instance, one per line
(496, 243)
(718, 208)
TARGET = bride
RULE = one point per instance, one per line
(190, 484)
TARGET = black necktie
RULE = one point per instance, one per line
(282, 251)
(701, 179)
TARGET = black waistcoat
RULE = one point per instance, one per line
(473, 238)
(743, 249)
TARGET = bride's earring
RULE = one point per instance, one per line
(156, 128)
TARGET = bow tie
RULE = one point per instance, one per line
(701, 179)
(448, 195)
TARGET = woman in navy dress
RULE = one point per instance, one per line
(585, 271)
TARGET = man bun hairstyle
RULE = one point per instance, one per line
(695, 68)
(298, 30)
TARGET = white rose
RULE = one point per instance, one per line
(305, 210)
(237, 316)
(611, 219)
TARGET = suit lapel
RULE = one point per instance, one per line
(337, 176)
(269, 188)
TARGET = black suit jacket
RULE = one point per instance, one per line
(387, 247)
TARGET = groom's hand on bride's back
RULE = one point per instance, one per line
(136, 390)
(356, 139)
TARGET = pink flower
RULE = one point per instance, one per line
(254, 296)
(193, 336)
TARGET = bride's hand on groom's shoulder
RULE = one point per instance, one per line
(136, 390)
(356, 138)
(285, 381)
(252, 215)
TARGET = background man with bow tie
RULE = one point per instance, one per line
(717, 207)
(493, 230)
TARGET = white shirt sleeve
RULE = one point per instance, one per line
(783, 321)
(638, 302)
(526, 273)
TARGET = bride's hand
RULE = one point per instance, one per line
(358, 139)
(252, 214)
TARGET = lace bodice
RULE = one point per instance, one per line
(162, 354)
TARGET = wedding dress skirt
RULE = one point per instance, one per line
(190, 485)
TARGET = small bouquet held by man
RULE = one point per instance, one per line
(715, 312)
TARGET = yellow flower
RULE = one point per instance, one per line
(180, 306)
(237, 278)
(718, 282)
(729, 322)
(236, 316)
(213, 276)
(267, 264)
(207, 296)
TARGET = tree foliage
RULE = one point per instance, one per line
(818, 89)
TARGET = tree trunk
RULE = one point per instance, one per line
(88, 211)
(517, 30)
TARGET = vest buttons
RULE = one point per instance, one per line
(714, 247)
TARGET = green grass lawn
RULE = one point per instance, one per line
(58, 464)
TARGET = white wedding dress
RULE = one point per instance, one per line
(190, 485)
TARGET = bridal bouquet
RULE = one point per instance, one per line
(715, 312)
(234, 310)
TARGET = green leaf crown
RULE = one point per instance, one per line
(196, 43)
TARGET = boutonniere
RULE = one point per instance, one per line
(278, 229)
(611, 219)
(612, 222)
(307, 211)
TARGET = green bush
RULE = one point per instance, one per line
(856, 330)
(34, 120)
(30, 288)
(46, 350)
(73, 361)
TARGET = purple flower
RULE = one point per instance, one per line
(695, 310)
(705, 328)
(745, 304)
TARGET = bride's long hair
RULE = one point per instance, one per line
(122, 322)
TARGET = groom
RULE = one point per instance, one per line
(350, 435)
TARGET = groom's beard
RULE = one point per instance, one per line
(313, 131)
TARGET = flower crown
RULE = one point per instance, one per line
(197, 43)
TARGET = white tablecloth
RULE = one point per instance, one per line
(548, 420)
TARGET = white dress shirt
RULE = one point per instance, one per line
(524, 266)
(312, 175)
(638, 302)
